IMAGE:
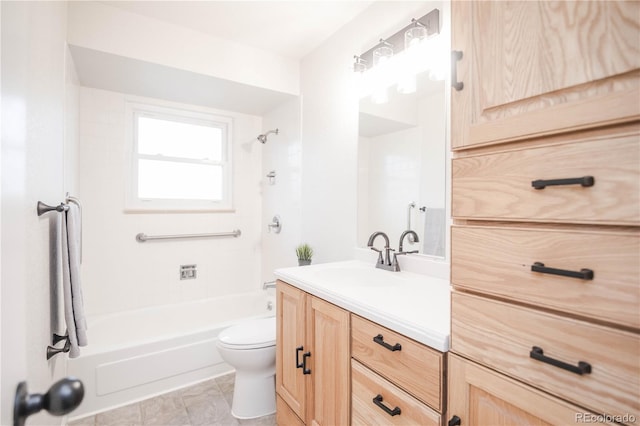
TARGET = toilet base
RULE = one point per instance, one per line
(253, 396)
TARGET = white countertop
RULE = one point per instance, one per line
(415, 305)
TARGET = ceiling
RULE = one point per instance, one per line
(288, 28)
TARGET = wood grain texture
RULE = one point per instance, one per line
(544, 67)
(285, 415)
(416, 368)
(498, 186)
(328, 397)
(498, 261)
(480, 396)
(290, 334)
(501, 335)
(366, 385)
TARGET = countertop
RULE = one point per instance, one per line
(415, 305)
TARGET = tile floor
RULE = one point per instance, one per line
(207, 403)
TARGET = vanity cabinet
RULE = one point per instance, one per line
(394, 379)
(545, 242)
(312, 359)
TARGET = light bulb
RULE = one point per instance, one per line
(414, 35)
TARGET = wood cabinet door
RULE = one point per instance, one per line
(329, 396)
(290, 337)
(479, 396)
(536, 68)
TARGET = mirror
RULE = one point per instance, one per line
(402, 155)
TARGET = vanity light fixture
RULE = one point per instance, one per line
(414, 34)
(398, 59)
(382, 53)
(359, 64)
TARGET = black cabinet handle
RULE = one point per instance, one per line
(378, 401)
(583, 274)
(379, 340)
(456, 55)
(583, 181)
(454, 421)
(305, 370)
(582, 368)
(298, 350)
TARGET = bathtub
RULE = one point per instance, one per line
(137, 354)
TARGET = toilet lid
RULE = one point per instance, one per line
(258, 333)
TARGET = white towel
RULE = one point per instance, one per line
(434, 232)
(71, 285)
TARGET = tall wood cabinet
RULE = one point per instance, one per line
(545, 257)
(312, 359)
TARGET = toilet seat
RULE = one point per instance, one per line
(253, 334)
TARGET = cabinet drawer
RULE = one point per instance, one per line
(502, 336)
(396, 407)
(499, 261)
(499, 186)
(414, 367)
(480, 396)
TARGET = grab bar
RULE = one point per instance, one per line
(142, 237)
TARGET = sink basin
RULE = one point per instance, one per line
(415, 305)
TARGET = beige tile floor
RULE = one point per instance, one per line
(207, 403)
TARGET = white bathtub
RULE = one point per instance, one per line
(136, 354)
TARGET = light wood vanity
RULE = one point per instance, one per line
(334, 367)
(545, 257)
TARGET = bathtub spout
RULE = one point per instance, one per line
(268, 284)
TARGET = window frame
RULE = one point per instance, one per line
(135, 204)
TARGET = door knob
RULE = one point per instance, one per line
(63, 397)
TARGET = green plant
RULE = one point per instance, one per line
(304, 252)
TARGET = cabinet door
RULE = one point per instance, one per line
(329, 394)
(536, 68)
(290, 337)
(479, 396)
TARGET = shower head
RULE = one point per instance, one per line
(263, 138)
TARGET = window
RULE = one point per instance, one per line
(180, 160)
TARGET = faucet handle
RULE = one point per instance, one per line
(380, 260)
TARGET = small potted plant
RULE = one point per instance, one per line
(304, 253)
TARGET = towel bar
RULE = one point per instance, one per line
(142, 237)
(45, 208)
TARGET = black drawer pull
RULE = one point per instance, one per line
(581, 368)
(583, 181)
(305, 370)
(379, 340)
(298, 350)
(454, 421)
(583, 274)
(378, 401)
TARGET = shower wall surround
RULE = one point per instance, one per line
(122, 274)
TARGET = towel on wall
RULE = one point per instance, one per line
(71, 286)
(434, 232)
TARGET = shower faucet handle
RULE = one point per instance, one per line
(275, 225)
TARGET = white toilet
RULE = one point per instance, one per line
(250, 347)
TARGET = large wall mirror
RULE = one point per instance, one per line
(402, 164)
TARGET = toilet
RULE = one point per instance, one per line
(250, 347)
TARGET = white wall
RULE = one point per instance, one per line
(34, 101)
(112, 30)
(330, 128)
(118, 272)
(283, 154)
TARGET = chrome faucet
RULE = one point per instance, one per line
(383, 263)
(414, 240)
(395, 265)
